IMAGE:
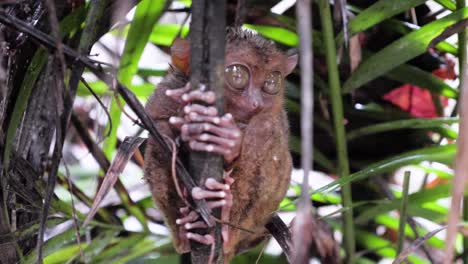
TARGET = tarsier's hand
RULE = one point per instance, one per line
(201, 126)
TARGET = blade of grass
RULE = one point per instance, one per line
(403, 212)
(401, 124)
(146, 15)
(449, 4)
(443, 154)
(376, 13)
(406, 73)
(404, 49)
(340, 134)
(415, 200)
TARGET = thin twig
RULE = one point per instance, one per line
(86, 84)
(461, 165)
(59, 75)
(338, 121)
(303, 225)
(75, 218)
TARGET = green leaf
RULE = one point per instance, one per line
(382, 246)
(444, 154)
(54, 244)
(405, 28)
(415, 200)
(100, 88)
(449, 4)
(392, 222)
(146, 15)
(118, 248)
(413, 123)
(164, 34)
(378, 12)
(277, 34)
(64, 254)
(401, 51)
(410, 74)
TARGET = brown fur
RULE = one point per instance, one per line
(261, 172)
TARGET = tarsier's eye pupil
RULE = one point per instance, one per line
(237, 76)
(273, 83)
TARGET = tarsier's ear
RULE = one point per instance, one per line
(180, 55)
(291, 63)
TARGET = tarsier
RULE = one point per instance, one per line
(252, 137)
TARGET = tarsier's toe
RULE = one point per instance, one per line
(188, 218)
(198, 193)
(194, 225)
(203, 239)
(213, 184)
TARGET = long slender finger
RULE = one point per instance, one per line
(191, 217)
(227, 121)
(206, 239)
(201, 110)
(198, 194)
(223, 142)
(199, 128)
(216, 204)
(176, 122)
(197, 95)
(201, 146)
(197, 224)
(184, 210)
(213, 184)
(176, 94)
(195, 117)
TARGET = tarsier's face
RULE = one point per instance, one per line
(254, 82)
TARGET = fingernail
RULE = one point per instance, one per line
(188, 226)
(204, 137)
(178, 221)
(187, 109)
(185, 97)
(228, 115)
(216, 120)
(209, 148)
(226, 187)
(222, 194)
(172, 120)
(168, 92)
(189, 235)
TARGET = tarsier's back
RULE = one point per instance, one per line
(258, 158)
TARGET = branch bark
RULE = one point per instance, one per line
(208, 31)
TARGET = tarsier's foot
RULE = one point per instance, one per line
(217, 195)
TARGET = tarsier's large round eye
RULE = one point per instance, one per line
(237, 76)
(273, 83)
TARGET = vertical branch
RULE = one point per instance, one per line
(208, 31)
(57, 62)
(403, 212)
(461, 166)
(338, 121)
(302, 230)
